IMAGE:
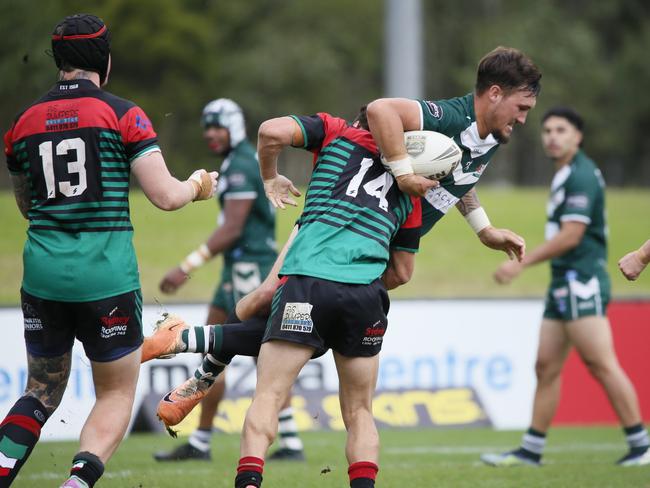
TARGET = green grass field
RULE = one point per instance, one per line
(575, 458)
(451, 263)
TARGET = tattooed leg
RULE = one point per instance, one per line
(47, 379)
(21, 428)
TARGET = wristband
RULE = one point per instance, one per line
(478, 219)
(400, 167)
(201, 185)
(195, 259)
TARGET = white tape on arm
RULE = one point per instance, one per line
(478, 219)
(400, 167)
(195, 259)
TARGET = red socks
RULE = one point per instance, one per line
(362, 474)
(249, 472)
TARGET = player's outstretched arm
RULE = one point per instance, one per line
(498, 239)
(567, 238)
(235, 213)
(273, 136)
(164, 190)
(388, 119)
(633, 263)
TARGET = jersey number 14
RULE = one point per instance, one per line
(377, 187)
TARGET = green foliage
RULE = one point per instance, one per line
(576, 457)
(278, 57)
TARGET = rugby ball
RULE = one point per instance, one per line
(434, 154)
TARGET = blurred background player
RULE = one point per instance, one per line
(70, 155)
(577, 299)
(507, 85)
(245, 236)
(633, 263)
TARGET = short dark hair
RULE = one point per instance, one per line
(510, 69)
(362, 118)
(567, 113)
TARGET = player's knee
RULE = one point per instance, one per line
(546, 371)
(598, 368)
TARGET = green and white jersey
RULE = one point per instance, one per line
(578, 195)
(455, 118)
(240, 179)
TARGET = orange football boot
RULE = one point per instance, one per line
(166, 340)
(178, 403)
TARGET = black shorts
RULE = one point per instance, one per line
(108, 329)
(350, 319)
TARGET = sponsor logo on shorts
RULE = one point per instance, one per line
(31, 320)
(114, 324)
(374, 334)
(588, 305)
(297, 317)
(562, 292)
(434, 109)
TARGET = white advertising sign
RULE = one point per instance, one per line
(488, 345)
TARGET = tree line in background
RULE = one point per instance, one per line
(277, 57)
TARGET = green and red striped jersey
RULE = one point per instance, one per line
(354, 211)
(76, 145)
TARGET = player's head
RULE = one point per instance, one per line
(223, 125)
(508, 82)
(561, 132)
(82, 41)
(361, 120)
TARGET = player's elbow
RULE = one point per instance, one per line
(403, 275)
(572, 240)
(401, 272)
(272, 132)
(167, 201)
(376, 108)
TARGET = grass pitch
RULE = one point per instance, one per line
(575, 458)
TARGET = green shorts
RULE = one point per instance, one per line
(570, 297)
(239, 279)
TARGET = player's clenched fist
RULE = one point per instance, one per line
(173, 280)
(204, 184)
(633, 263)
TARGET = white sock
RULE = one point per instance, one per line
(288, 430)
(200, 439)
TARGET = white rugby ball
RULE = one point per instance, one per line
(434, 154)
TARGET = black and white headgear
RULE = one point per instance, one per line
(225, 113)
(82, 41)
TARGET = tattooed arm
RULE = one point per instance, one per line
(20, 183)
(468, 202)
